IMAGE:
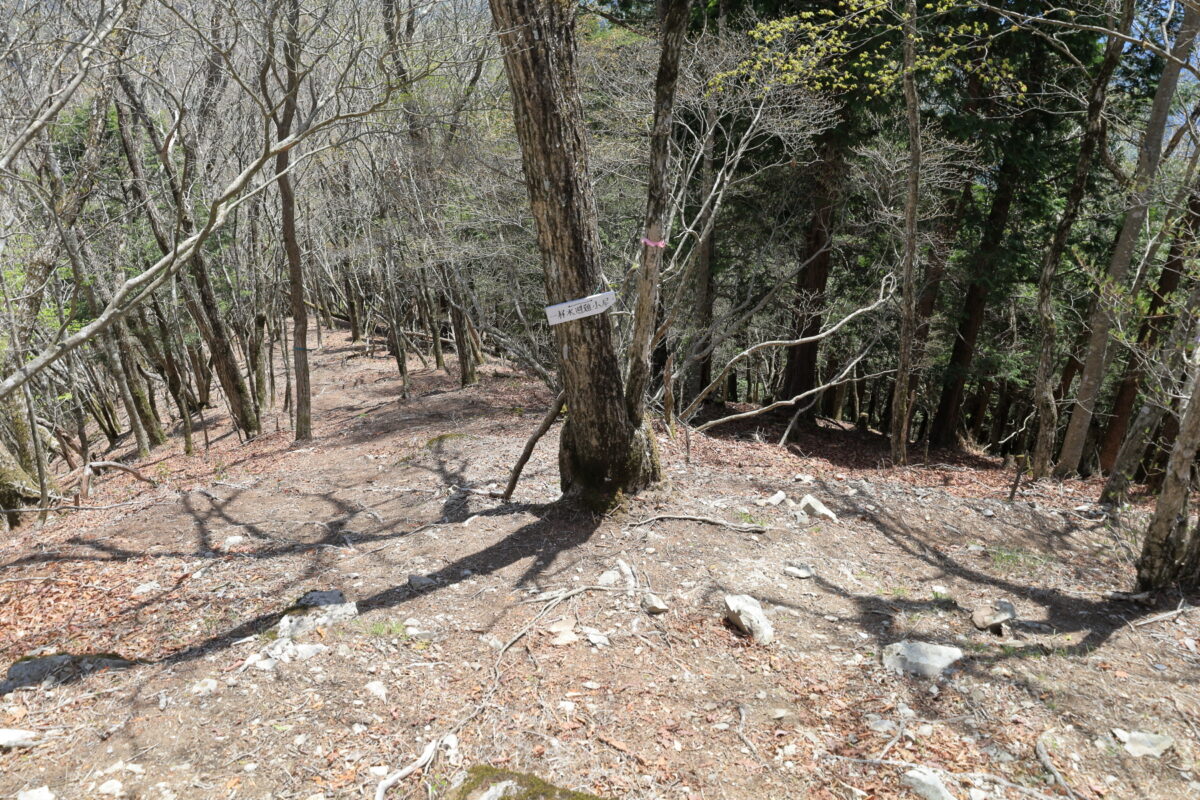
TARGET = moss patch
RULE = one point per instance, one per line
(482, 777)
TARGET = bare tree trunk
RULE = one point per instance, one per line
(1182, 248)
(602, 452)
(1171, 550)
(674, 27)
(287, 207)
(1043, 389)
(1104, 316)
(908, 266)
(1152, 412)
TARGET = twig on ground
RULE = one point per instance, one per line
(1043, 754)
(1186, 718)
(741, 732)
(737, 526)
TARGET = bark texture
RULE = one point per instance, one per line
(602, 452)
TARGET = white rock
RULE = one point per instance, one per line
(565, 638)
(653, 604)
(925, 782)
(146, 588)
(977, 794)
(232, 542)
(16, 737)
(378, 689)
(113, 788)
(811, 505)
(919, 658)
(609, 577)
(746, 614)
(379, 771)
(773, 500)
(804, 479)
(499, 790)
(1141, 743)
(562, 625)
(205, 687)
(801, 571)
(40, 793)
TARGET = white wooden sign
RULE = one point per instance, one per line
(583, 307)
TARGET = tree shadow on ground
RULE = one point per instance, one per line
(558, 528)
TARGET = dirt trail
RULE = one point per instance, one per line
(190, 579)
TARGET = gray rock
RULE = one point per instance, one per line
(746, 614)
(1141, 743)
(595, 636)
(653, 604)
(813, 506)
(919, 658)
(925, 783)
(60, 667)
(992, 619)
(16, 737)
(316, 610)
(801, 571)
(420, 583)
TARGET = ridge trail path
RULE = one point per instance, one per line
(519, 627)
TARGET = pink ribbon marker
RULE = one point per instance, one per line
(652, 243)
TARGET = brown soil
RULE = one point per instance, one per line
(676, 706)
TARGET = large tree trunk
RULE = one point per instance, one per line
(945, 422)
(601, 451)
(1104, 316)
(1171, 550)
(1043, 390)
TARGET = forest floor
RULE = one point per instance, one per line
(189, 579)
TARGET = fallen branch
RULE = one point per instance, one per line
(1043, 754)
(36, 510)
(737, 526)
(548, 420)
(422, 761)
(89, 470)
(1164, 616)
